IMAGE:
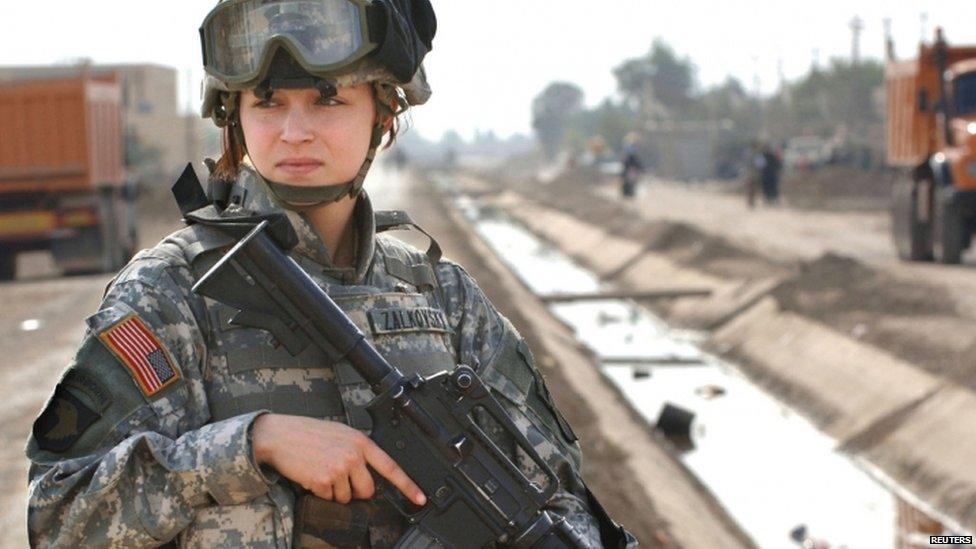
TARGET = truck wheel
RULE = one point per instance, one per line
(8, 264)
(948, 235)
(80, 254)
(912, 232)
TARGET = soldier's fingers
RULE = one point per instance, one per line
(384, 465)
(324, 492)
(362, 483)
(341, 490)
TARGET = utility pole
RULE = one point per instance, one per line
(889, 40)
(780, 74)
(857, 26)
(757, 94)
(784, 91)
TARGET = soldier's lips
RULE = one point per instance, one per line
(299, 166)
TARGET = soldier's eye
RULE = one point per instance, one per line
(328, 101)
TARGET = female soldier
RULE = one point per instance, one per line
(176, 423)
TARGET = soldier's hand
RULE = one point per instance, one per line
(329, 459)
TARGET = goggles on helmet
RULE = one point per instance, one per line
(322, 35)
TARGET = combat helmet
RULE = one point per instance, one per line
(324, 44)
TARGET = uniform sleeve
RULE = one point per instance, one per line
(122, 454)
(487, 341)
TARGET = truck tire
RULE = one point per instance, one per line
(948, 230)
(118, 230)
(912, 231)
(81, 254)
(8, 264)
(111, 250)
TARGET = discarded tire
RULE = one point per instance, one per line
(675, 421)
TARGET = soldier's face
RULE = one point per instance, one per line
(298, 138)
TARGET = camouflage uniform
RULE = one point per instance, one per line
(117, 460)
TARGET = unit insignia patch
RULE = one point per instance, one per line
(63, 421)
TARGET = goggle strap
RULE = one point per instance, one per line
(376, 22)
(265, 90)
(225, 111)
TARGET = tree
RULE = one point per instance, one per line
(727, 100)
(659, 76)
(824, 100)
(552, 111)
(609, 120)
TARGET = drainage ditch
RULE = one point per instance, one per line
(772, 470)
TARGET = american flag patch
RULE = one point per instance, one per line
(142, 354)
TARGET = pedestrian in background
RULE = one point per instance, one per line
(771, 167)
(755, 164)
(631, 166)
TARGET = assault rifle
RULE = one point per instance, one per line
(476, 495)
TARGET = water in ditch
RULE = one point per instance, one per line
(770, 468)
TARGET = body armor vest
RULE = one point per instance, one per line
(397, 308)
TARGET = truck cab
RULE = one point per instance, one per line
(931, 126)
(960, 152)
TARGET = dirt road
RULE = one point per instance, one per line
(790, 234)
(839, 268)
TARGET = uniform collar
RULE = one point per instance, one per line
(256, 199)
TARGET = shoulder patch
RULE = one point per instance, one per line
(63, 422)
(140, 350)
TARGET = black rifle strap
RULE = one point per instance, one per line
(395, 220)
(188, 192)
(613, 535)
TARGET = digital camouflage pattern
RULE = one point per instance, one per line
(177, 467)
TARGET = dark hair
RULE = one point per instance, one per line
(232, 148)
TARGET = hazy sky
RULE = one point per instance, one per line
(492, 57)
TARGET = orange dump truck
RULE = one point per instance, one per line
(932, 135)
(62, 186)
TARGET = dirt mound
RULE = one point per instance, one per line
(832, 188)
(834, 284)
(696, 247)
(915, 321)
(838, 188)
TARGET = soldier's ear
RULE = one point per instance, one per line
(386, 121)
